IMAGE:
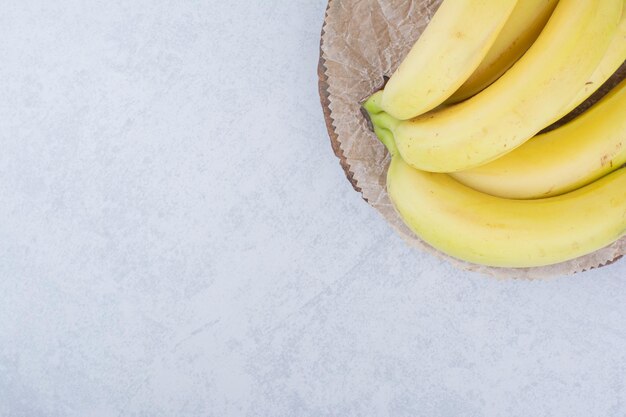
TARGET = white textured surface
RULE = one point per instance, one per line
(177, 239)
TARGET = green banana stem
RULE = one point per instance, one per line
(386, 137)
(373, 104)
(384, 120)
(383, 123)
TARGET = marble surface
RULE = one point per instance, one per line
(178, 239)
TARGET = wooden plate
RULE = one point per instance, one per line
(323, 86)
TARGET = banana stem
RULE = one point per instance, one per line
(373, 104)
(383, 123)
(377, 115)
(386, 137)
(384, 120)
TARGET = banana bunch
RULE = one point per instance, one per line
(469, 173)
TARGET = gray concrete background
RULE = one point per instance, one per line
(177, 239)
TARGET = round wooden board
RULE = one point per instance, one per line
(334, 140)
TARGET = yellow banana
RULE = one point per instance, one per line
(612, 60)
(561, 160)
(483, 229)
(520, 31)
(451, 47)
(535, 92)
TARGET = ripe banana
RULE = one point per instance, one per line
(535, 92)
(613, 59)
(493, 231)
(561, 160)
(452, 46)
(520, 31)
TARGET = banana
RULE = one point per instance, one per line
(451, 47)
(520, 31)
(612, 60)
(533, 93)
(561, 160)
(487, 230)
